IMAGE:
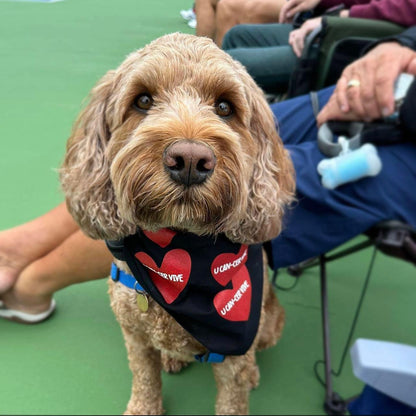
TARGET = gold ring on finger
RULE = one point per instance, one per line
(353, 83)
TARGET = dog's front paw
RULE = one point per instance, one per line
(172, 365)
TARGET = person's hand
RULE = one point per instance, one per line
(365, 90)
(291, 7)
(297, 36)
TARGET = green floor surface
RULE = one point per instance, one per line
(75, 363)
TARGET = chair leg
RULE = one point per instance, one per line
(333, 405)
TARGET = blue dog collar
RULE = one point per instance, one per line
(210, 357)
(130, 281)
(126, 279)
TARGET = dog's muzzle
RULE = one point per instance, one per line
(189, 162)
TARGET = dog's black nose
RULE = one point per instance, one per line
(189, 162)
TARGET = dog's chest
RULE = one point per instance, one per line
(209, 288)
(154, 327)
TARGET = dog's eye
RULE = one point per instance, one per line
(143, 102)
(224, 108)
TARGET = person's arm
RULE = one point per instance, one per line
(365, 89)
(406, 38)
(328, 4)
(291, 7)
(297, 37)
(402, 12)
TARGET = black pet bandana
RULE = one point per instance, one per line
(211, 287)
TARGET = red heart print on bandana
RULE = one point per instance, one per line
(233, 304)
(162, 237)
(225, 265)
(173, 274)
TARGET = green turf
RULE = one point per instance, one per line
(75, 363)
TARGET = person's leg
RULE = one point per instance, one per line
(235, 12)
(257, 36)
(78, 259)
(265, 52)
(21, 245)
(270, 67)
(205, 11)
(322, 219)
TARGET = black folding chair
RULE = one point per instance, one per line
(393, 238)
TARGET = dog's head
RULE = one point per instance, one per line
(178, 136)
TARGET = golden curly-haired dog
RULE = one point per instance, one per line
(179, 136)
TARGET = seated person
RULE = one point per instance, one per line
(34, 264)
(270, 52)
(323, 219)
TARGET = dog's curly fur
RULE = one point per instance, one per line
(114, 179)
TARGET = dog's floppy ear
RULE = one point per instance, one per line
(273, 180)
(85, 173)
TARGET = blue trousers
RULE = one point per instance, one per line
(374, 402)
(322, 219)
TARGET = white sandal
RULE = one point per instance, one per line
(24, 317)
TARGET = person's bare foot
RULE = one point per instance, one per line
(28, 303)
(39, 261)
(12, 259)
(8, 275)
(28, 293)
(25, 243)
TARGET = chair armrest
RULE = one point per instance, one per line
(336, 30)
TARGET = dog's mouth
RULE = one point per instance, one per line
(201, 206)
(192, 208)
(187, 189)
